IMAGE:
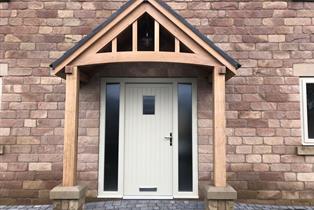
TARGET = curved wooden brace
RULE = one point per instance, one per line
(168, 57)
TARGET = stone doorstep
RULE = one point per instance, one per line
(68, 193)
(219, 193)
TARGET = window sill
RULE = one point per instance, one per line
(305, 150)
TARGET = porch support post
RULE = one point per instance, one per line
(219, 127)
(219, 196)
(69, 195)
(71, 127)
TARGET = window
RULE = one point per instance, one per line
(148, 105)
(112, 137)
(167, 40)
(307, 93)
(185, 137)
(146, 33)
(123, 40)
(107, 48)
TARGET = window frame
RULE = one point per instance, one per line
(304, 117)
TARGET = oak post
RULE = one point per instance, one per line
(157, 38)
(219, 127)
(114, 45)
(177, 45)
(71, 128)
(134, 36)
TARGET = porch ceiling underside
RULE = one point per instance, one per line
(146, 70)
(85, 51)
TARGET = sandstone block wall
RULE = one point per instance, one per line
(263, 108)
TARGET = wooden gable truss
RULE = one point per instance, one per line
(89, 52)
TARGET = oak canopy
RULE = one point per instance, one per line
(102, 45)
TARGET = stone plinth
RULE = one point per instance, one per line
(68, 198)
(219, 198)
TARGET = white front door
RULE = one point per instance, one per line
(147, 150)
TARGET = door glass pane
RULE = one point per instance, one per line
(149, 105)
(310, 109)
(112, 137)
(185, 137)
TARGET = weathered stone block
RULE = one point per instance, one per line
(3, 69)
(218, 198)
(39, 166)
(305, 150)
(68, 198)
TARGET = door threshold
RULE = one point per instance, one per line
(147, 197)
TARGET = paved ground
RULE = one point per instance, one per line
(147, 205)
(158, 205)
(270, 207)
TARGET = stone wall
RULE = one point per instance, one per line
(267, 37)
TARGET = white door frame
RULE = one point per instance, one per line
(123, 81)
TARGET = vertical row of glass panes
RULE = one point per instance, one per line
(112, 137)
(185, 137)
(145, 38)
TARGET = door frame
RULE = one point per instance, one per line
(175, 172)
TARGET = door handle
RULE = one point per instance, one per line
(169, 138)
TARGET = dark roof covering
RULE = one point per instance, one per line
(231, 60)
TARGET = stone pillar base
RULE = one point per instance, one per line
(219, 198)
(219, 205)
(68, 198)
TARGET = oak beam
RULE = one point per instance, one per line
(176, 45)
(134, 36)
(68, 70)
(71, 128)
(219, 127)
(114, 45)
(157, 38)
(167, 57)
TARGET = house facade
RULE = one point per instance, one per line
(153, 98)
